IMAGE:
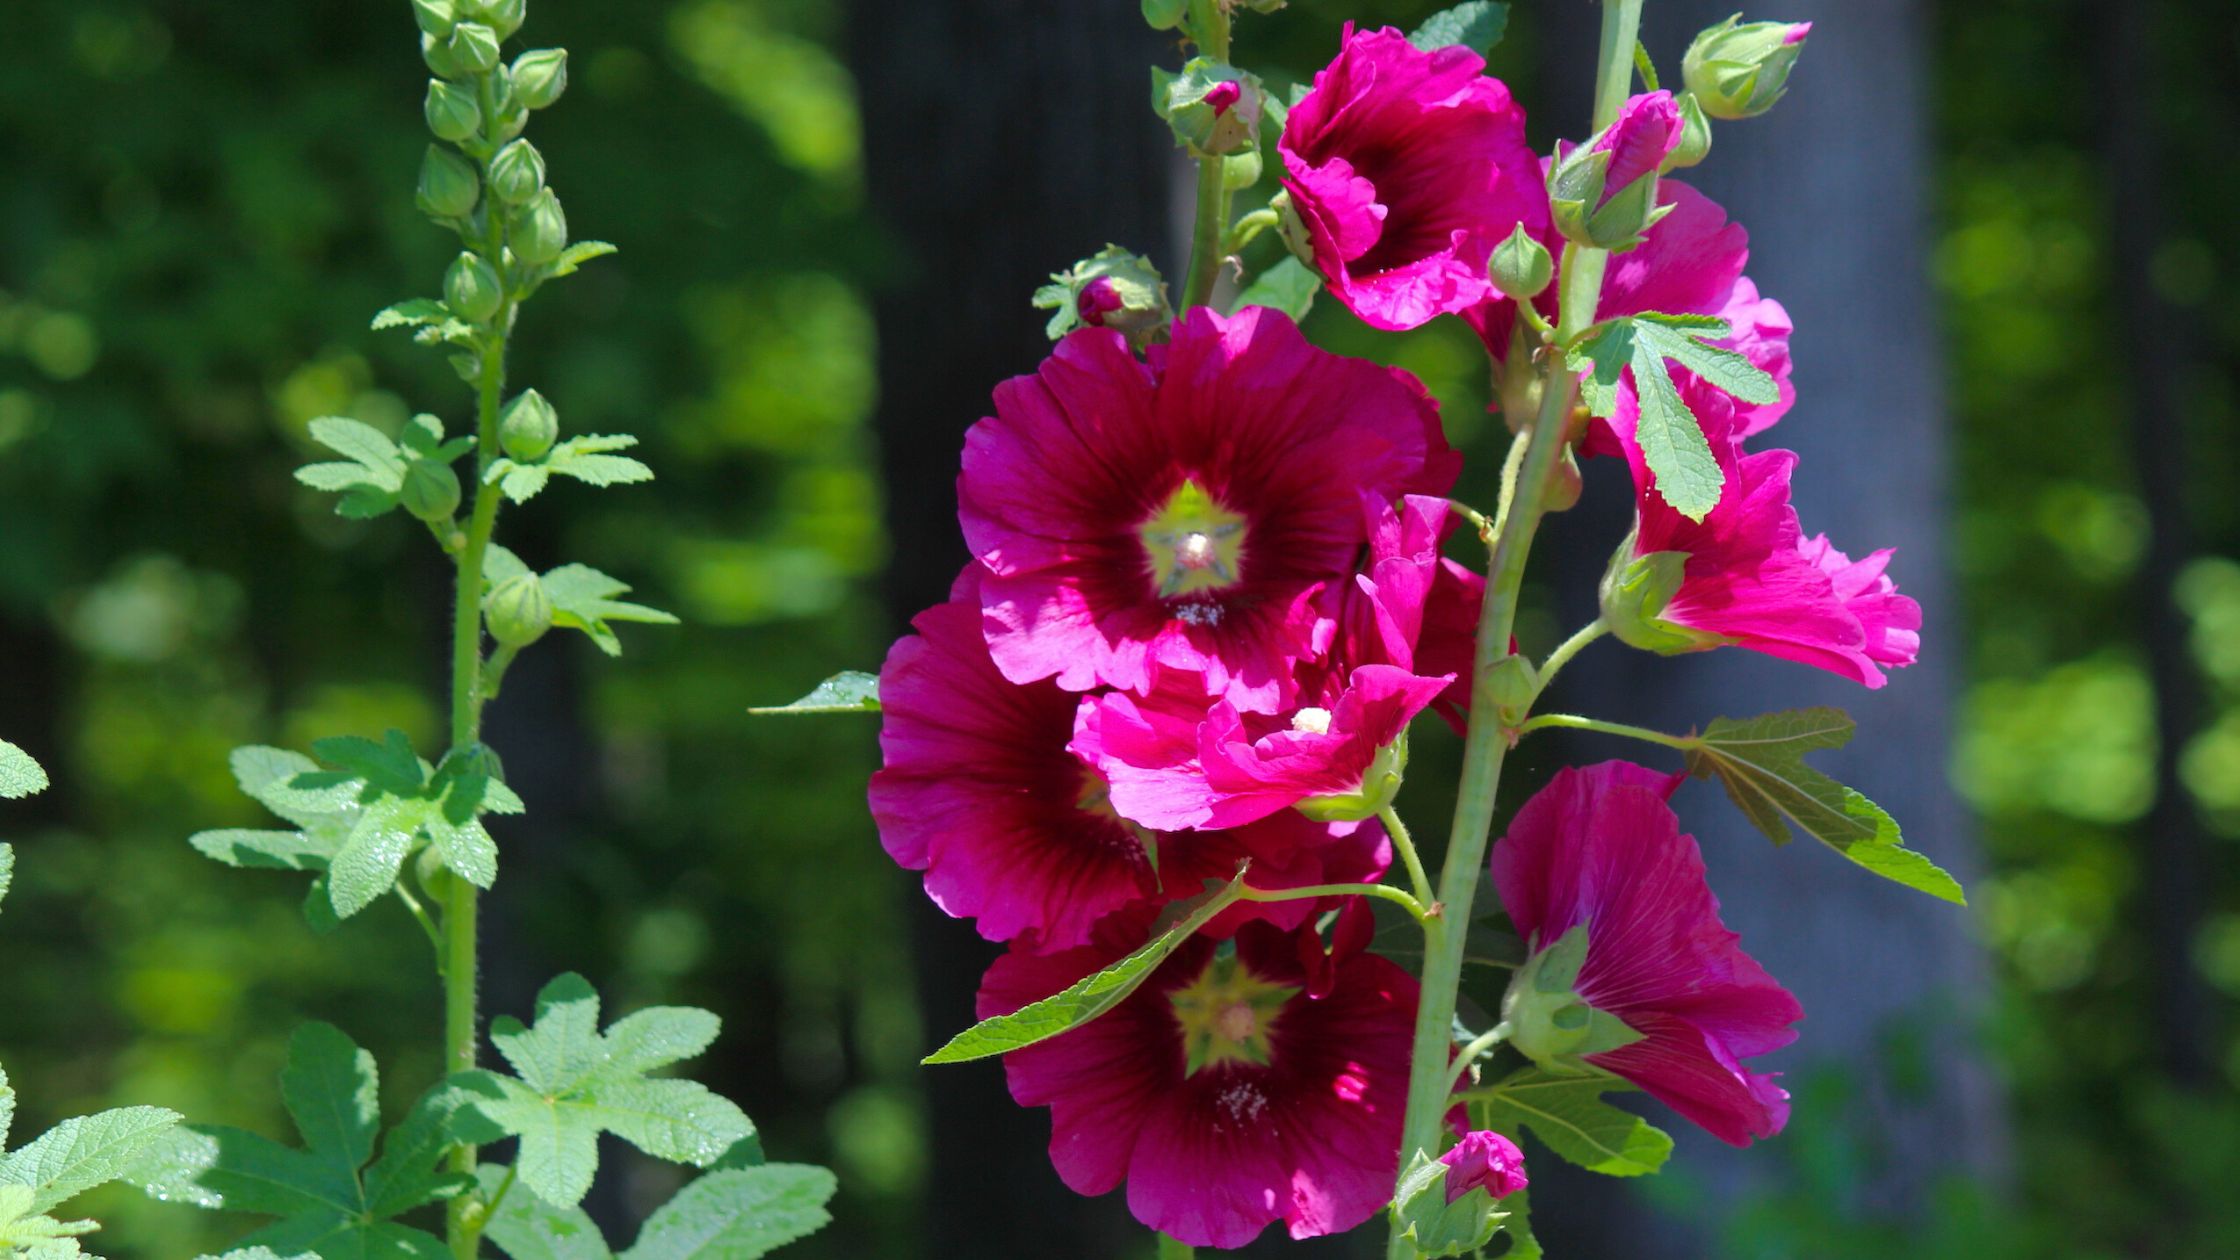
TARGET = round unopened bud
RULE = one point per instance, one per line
(1213, 107)
(452, 112)
(431, 490)
(538, 230)
(435, 17)
(472, 289)
(1695, 136)
(1565, 484)
(1739, 69)
(1521, 266)
(448, 184)
(528, 428)
(436, 52)
(506, 15)
(517, 173)
(474, 46)
(1241, 170)
(1164, 15)
(540, 76)
(519, 611)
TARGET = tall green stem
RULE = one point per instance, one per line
(1209, 234)
(1445, 936)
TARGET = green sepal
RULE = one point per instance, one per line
(1436, 1227)
(1288, 286)
(584, 458)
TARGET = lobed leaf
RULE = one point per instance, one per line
(1477, 26)
(1568, 1115)
(574, 256)
(525, 1227)
(1288, 286)
(849, 691)
(1087, 998)
(737, 1214)
(332, 1092)
(1681, 464)
(410, 313)
(583, 599)
(7, 879)
(81, 1153)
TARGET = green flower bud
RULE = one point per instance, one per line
(472, 289)
(1510, 687)
(452, 113)
(1440, 1224)
(431, 490)
(506, 15)
(517, 173)
(1565, 484)
(1164, 15)
(1520, 266)
(528, 427)
(473, 46)
(538, 230)
(1738, 69)
(1575, 189)
(1379, 785)
(519, 611)
(1635, 592)
(1109, 289)
(1213, 107)
(1241, 170)
(540, 76)
(434, 16)
(448, 185)
(1695, 136)
(436, 52)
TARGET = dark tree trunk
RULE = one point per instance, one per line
(1004, 139)
(1833, 186)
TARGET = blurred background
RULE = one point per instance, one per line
(2002, 226)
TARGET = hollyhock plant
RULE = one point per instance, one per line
(1222, 1094)
(1405, 168)
(1018, 834)
(1181, 513)
(1600, 847)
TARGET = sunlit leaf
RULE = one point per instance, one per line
(850, 691)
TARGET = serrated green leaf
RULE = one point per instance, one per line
(365, 868)
(409, 313)
(850, 691)
(1602, 356)
(81, 1153)
(264, 850)
(332, 1092)
(7, 880)
(1722, 368)
(1681, 464)
(1760, 763)
(371, 474)
(583, 599)
(267, 775)
(563, 1047)
(388, 766)
(684, 1122)
(1087, 998)
(19, 775)
(1568, 1115)
(659, 1036)
(525, 1227)
(586, 459)
(1522, 1244)
(574, 256)
(407, 1175)
(1288, 286)
(1477, 25)
(737, 1215)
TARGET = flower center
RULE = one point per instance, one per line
(1226, 1015)
(1311, 721)
(1195, 545)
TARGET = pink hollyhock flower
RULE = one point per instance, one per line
(1222, 1094)
(1751, 578)
(1599, 846)
(1646, 133)
(1484, 1158)
(979, 792)
(1411, 606)
(1181, 514)
(1406, 168)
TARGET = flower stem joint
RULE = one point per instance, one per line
(1740, 69)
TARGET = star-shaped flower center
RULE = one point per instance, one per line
(1226, 1015)
(1195, 545)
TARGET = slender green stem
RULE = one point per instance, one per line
(1406, 844)
(1396, 896)
(1572, 722)
(1569, 648)
(427, 924)
(1251, 226)
(1471, 1053)
(1428, 1082)
(1511, 466)
(1209, 234)
(1169, 1249)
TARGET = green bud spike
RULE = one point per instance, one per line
(1521, 266)
(1695, 136)
(540, 76)
(505, 15)
(1739, 69)
(528, 428)
(435, 17)
(431, 490)
(517, 173)
(538, 230)
(519, 611)
(448, 185)
(436, 52)
(473, 46)
(472, 289)
(452, 112)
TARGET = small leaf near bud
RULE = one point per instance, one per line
(431, 490)
(1695, 135)
(452, 112)
(473, 46)
(1521, 266)
(517, 173)
(538, 230)
(1213, 107)
(435, 17)
(1164, 15)
(528, 428)
(540, 76)
(448, 185)
(519, 611)
(1738, 69)
(472, 289)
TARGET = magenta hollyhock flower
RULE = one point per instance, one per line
(1182, 514)
(1647, 131)
(1220, 1092)
(1011, 830)
(1410, 606)
(1600, 846)
(1406, 168)
(1484, 1158)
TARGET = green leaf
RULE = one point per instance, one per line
(1568, 1115)
(411, 313)
(1760, 762)
(1087, 998)
(1522, 1245)
(19, 774)
(1682, 337)
(526, 1227)
(737, 1215)
(1477, 25)
(7, 878)
(574, 256)
(573, 1082)
(332, 1092)
(1681, 464)
(264, 850)
(371, 473)
(584, 458)
(850, 691)
(583, 599)
(81, 1153)
(1287, 286)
